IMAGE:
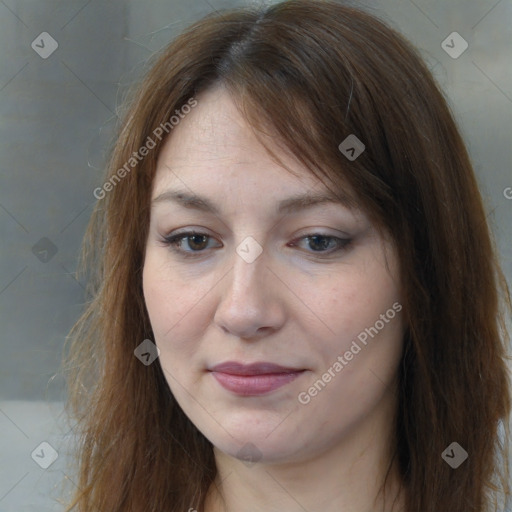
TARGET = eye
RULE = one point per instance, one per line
(319, 243)
(197, 242)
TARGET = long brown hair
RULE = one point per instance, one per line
(311, 73)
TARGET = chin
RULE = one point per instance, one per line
(256, 444)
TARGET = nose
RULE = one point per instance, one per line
(251, 304)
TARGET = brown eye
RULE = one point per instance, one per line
(196, 242)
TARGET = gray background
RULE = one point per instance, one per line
(56, 121)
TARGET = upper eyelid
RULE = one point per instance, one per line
(312, 232)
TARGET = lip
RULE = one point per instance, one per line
(253, 379)
(258, 368)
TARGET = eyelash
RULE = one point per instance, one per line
(173, 242)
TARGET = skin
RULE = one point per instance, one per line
(294, 305)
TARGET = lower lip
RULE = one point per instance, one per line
(254, 385)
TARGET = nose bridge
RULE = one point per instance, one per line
(249, 267)
(246, 305)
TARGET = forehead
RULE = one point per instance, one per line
(213, 136)
(213, 144)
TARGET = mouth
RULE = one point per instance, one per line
(253, 379)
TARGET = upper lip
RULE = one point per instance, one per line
(259, 368)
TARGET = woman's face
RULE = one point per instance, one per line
(256, 289)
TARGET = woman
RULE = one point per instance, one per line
(296, 300)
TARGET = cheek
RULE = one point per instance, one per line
(161, 297)
(353, 302)
(177, 309)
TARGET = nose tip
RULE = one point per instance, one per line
(249, 306)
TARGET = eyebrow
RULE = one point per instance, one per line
(286, 206)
